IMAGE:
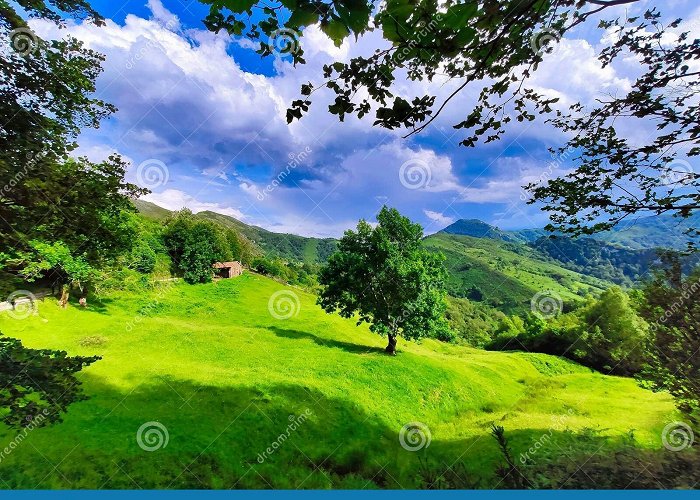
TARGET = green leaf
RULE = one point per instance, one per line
(458, 16)
(239, 6)
(336, 31)
(301, 17)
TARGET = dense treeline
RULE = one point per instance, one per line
(619, 265)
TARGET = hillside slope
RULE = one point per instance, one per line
(286, 246)
(225, 379)
(506, 275)
(659, 231)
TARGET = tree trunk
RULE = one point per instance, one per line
(63, 302)
(391, 347)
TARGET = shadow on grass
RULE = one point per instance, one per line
(206, 437)
(346, 346)
(175, 434)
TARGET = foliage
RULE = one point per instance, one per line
(56, 261)
(45, 98)
(606, 334)
(294, 273)
(498, 45)
(669, 304)
(195, 245)
(508, 472)
(143, 258)
(618, 175)
(472, 323)
(39, 384)
(385, 276)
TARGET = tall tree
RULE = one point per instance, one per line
(498, 45)
(384, 276)
(194, 245)
(46, 96)
(671, 308)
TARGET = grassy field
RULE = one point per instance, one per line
(227, 379)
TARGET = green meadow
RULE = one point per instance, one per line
(225, 379)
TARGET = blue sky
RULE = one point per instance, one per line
(201, 119)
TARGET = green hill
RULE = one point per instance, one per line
(151, 210)
(506, 275)
(286, 246)
(212, 367)
(659, 231)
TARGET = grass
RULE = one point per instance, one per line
(227, 379)
(507, 274)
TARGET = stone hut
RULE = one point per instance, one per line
(228, 269)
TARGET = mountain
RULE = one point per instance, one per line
(151, 210)
(285, 246)
(661, 231)
(496, 268)
(478, 229)
(506, 275)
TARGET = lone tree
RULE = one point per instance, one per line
(385, 277)
(492, 48)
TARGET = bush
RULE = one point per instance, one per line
(143, 258)
(606, 334)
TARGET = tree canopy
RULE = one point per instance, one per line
(46, 195)
(37, 383)
(497, 46)
(384, 276)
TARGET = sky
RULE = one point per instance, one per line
(201, 119)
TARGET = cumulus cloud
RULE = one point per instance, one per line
(184, 99)
(174, 199)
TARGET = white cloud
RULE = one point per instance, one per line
(438, 218)
(174, 199)
(221, 130)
